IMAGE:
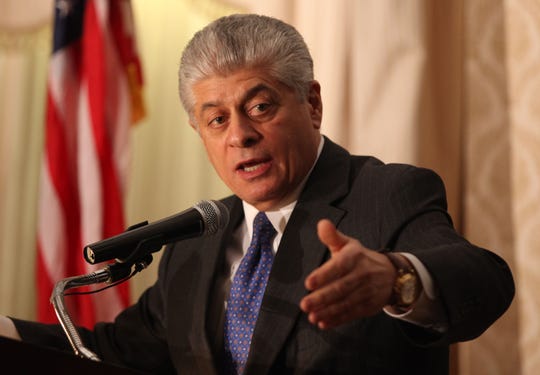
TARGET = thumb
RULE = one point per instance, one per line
(330, 236)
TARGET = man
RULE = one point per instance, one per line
(364, 272)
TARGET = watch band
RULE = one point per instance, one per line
(400, 263)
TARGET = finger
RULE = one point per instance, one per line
(359, 304)
(330, 236)
(330, 271)
(330, 294)
(334, 315)
(353, 305)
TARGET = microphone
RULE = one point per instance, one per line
(138, 241)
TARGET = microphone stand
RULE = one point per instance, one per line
(112, 273)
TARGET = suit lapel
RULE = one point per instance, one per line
(209, 302)
(300, 252)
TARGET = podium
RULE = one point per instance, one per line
(26, 358)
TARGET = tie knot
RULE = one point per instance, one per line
(262, 227)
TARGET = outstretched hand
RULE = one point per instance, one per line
(355, 282)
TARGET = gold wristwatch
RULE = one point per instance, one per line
(407, 286)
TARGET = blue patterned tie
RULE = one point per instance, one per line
(246, 294)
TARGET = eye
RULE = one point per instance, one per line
(259, 109)
(217, 121)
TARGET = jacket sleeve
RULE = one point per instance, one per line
(474, 284)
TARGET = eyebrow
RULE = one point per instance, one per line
(251, 93)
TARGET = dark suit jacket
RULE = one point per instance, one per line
(176, 323)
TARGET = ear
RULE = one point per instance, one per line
(315, 102)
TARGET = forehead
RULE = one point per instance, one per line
(235, 88)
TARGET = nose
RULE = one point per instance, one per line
(242, 132)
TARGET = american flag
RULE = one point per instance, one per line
(93, 97)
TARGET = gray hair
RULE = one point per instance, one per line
(241, 41)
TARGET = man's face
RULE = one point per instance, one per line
(259, 135)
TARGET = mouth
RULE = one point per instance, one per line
(253, 168)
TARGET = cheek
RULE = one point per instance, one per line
(220, 169)
(218, 158)
(211, 153)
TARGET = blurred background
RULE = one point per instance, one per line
(449, 85)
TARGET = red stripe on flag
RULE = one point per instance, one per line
(57, 153)
(94, 73)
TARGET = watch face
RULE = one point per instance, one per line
(408, 289)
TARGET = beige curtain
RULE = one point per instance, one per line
(25, 34)
(454, 86)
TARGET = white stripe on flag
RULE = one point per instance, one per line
(51, 228)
